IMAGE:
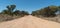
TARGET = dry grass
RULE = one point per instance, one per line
(55, 19)
(4, 17)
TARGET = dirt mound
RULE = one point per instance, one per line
(29, 22)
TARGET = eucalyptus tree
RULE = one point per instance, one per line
(9, 10)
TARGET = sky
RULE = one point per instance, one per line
(28, 5)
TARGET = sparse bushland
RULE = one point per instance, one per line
(10, 14)
(48, 13)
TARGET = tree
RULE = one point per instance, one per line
(5, 12)
(34, 13)
(24, 13)
(47, 11)
(17, 12)
(9, 10)
(59, 9)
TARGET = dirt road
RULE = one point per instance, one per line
(29, 22)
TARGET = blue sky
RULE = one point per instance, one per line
(28, 5)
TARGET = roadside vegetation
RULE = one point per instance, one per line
(10, 13)
(51, 13)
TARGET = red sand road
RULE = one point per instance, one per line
(29, 22)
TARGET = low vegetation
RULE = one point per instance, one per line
(48, 13)
(10, 13)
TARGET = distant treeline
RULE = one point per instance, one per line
(11, 11)
(49, 11)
